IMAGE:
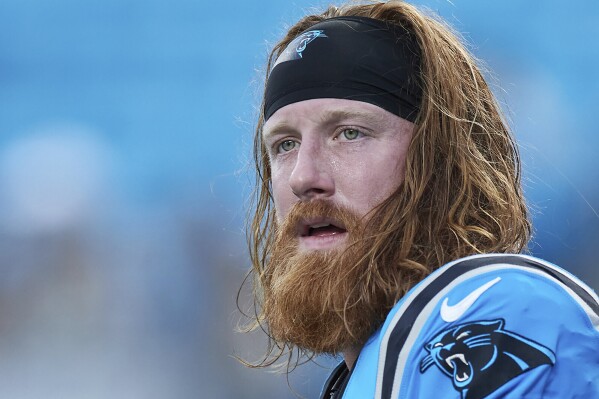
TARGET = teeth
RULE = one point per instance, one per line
(463, 378)
(316, 226)
(458, 356)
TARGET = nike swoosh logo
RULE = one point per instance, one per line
(451, 313)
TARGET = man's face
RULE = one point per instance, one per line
(332, 161)
(348, 153)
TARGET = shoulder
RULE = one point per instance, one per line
(484, 316)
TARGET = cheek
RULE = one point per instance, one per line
(379, 186)
(283, 197)
(377, 179)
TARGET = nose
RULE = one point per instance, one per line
(311, 177)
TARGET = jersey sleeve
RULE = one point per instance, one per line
(489, 326)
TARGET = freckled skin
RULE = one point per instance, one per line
(348, 152)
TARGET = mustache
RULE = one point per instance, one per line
(300, 212)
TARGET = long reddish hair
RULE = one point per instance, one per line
(462, 192)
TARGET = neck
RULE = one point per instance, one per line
(350, 356)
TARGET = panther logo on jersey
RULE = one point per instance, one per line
(481, 356)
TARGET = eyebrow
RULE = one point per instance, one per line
(337, 115)
(276, 128)
(331, 116)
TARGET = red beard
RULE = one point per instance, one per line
(325, 301)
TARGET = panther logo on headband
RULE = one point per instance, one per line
(306, 38)
(295, 49)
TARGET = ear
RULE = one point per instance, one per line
(497, 324)
(491, 325)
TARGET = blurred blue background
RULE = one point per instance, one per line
(125, 131)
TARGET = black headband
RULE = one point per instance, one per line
(352, 58)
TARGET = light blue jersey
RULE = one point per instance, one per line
(487, 326)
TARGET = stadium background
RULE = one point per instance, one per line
(125, 130)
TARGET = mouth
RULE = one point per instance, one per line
(321, 228)
(462, 370)
(321, 233)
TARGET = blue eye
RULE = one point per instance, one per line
(351, 134)
(286, 146)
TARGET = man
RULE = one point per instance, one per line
(389, 220)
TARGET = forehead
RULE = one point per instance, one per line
(322, 111)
